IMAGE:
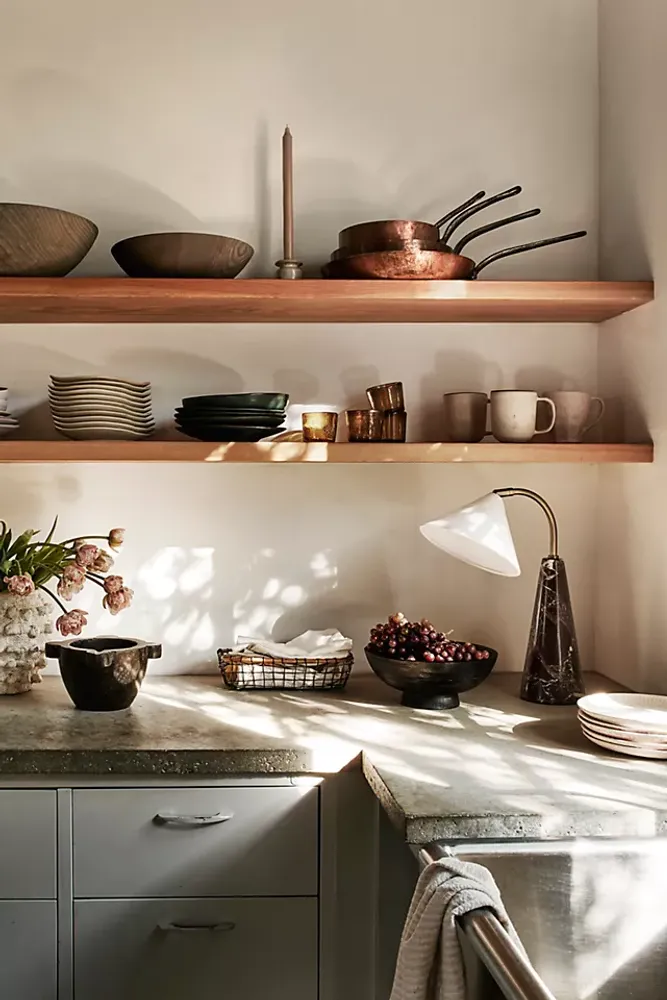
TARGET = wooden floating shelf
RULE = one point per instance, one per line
(142, 300)
(289, 452)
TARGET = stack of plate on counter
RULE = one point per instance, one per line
(235, 416)
(100, 408)
(634, 724)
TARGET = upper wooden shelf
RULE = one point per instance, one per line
(288, 452)
(264, 300)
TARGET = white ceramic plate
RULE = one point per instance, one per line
(636, 744)
(75, 396)
(639, 712)
(100, 434)
(628, 749)
(103, 425)
(111, 409)
(621, 732)
(622, 735)
(77, 380)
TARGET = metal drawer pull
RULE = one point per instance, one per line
(168, 819)
(185, 928)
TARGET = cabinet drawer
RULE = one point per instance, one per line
(28, 839)
(195, 842)
(181, 949)
(28, 950)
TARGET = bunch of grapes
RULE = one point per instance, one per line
(400, 639)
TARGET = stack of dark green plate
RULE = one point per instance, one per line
(234, 416)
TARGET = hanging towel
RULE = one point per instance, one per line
(430, 964)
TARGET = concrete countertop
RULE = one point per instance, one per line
(496, 767)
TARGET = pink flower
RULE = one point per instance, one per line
(103, 563)
(71, 582)
(118, 600)
(21, 584)
(116, 537)
(72, 622)
(86, 555)
(113, 584)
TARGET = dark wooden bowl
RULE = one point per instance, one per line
(182, 255)
(432, 685)
(40, 242)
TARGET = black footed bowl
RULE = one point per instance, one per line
(432, 685)
(103, 674)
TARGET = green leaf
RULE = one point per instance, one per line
(53, 528)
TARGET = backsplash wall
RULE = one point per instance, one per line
(169, 115)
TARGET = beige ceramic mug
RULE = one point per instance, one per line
(576, 413)
(465, 416)
(514, 415)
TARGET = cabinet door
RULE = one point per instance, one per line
(28, 950)
(28, 838)
(196, 949)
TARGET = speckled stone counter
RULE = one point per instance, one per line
(496, 767)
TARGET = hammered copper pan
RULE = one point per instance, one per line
(413, 264)
(366, 237)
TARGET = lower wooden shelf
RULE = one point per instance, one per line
(344, 453)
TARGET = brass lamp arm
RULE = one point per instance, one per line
(515, 491)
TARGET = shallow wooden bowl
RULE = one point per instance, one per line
(40, 242)
(182, 255)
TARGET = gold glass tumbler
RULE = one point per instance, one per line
(364, 425)
(395, 425)
(319, 425)
(389, 396)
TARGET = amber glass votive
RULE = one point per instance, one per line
(364, 425)
(395, 425)
(319, 426)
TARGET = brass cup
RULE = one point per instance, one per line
(395, 425)
(319, 425)
(364, 425)
(389, 396)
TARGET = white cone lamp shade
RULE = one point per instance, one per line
(478, 534)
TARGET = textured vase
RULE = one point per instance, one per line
(25, 625)
(552, 671)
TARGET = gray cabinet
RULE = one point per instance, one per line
(28, 943)
(253, 841)
(28, 838)
(181, 949)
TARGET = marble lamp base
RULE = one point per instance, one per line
(552, 671)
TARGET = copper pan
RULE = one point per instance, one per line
(413, 264)
(366, 237)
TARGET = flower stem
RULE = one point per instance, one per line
(85, 538)
(95, 579)
(53, 596)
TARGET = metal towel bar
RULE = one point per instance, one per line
(514, 976)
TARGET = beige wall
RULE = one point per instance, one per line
(631, 634)
(162, 115)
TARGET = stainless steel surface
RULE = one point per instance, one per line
(592, 914)
(494, 947)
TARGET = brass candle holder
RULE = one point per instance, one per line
(320, 425)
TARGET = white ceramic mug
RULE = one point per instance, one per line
(576, 413)
(514, 415)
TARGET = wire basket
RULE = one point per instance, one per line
(252, 672)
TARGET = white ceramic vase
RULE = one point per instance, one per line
(25, 625)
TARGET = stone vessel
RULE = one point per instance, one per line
(25, 625)
(103, 674)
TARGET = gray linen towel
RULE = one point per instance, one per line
(430, 964)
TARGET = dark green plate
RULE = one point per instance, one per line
(241, 400)
(227, 434)
(265, 418)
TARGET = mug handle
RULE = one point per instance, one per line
(545, 399)
(596, 420)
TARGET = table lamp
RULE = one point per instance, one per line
(479, 534)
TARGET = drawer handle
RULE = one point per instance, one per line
(186, 928)
(168, 819)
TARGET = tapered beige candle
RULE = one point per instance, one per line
(288, 200)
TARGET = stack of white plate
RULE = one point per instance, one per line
(634, 724)
(98, 408)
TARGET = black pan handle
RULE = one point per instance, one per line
(457, 211)
(489, 228)
(477, 207)
(524, 248)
